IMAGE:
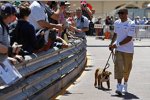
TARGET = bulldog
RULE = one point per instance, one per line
(102, 76)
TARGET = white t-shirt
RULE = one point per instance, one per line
(124, 29)
(37, 13)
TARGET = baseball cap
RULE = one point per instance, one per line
(7, 9)
(122, 11)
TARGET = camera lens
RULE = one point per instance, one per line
(84, 5)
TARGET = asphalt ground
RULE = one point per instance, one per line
(97, 53)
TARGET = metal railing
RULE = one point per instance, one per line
(142, 32)
(49, 72)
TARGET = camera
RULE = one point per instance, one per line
(84, 5)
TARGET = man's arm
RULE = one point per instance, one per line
(3, 49)
(79, 30)
(126, 40)
(111, 46)
(9, 50)
(82, 30)
(89, 12)
(56, 14)
(85, 29)
(113, 38)
(45, 24)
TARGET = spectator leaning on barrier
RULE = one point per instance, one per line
(82, 24)
(39, 19)
(38, 16)
(24, 33)
(124, 30)
(58, 42)
(7, 15)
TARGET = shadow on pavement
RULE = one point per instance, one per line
(127, 96)
(104, 89)
(87, 69)
(67, 93)
(89, 66)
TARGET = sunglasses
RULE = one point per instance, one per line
(78, 11)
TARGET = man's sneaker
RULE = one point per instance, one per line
(125, 87)
(119, 89)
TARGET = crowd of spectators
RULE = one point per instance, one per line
(29, 27)
(138, 21)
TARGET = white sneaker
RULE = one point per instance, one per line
(119, 89)
(125, 87)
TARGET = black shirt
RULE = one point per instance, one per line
(24, 34)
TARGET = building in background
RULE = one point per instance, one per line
(107, 7)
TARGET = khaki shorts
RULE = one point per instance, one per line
(123, 64)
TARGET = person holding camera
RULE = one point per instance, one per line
(86, 11)
(39, 19)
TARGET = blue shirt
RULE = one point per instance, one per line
(81, 23)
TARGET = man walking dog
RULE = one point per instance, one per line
(124, 30)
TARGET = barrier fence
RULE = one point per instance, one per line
(44, 76)
(142, 32)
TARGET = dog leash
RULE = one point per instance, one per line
(107, 63)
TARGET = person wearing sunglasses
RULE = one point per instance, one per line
(122, 42)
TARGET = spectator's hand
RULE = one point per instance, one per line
(12, 60)
(59, 27)
(16, 47)
(71, 28)
(19, 58)
(55, 29)
(78, 30)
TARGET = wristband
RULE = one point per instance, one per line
(117, 44)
